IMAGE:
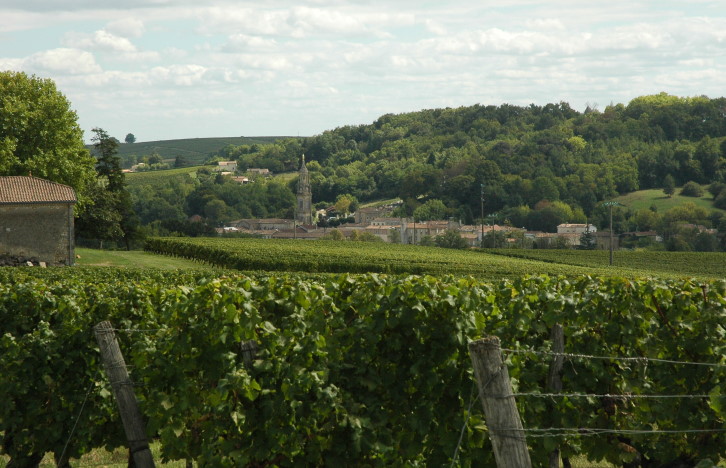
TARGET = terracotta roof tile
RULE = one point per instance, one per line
(26, 189)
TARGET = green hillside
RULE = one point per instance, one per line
(194, 150)
(644, 199)
(158, 178)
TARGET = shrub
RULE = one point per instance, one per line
(692, 189)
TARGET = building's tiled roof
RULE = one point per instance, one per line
(28, 189)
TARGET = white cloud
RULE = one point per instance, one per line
(127, 27)
(299, 21)
(63, 61)
(244, 42)
(325, 63)
(179, 75)
(11, 64)
(101, 40)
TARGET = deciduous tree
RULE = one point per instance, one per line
(39, 134)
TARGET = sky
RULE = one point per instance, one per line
(167, 69)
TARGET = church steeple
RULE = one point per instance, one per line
(304, 211)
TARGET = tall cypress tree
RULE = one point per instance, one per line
(112, 216)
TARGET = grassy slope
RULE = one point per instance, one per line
(194, 150)
(643, 199)
(157, 177)
(132, 259)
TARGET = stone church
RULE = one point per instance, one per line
(302, 221)
(304, 210)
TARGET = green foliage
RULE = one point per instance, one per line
(360, 257)
(669, 185)
(39, 134)
(588, 241)
(110, 215)
(195, 150)
(647, 263)
(431, 210)
(508, 156)
(450, 239)
(692, 189)
(367, 370)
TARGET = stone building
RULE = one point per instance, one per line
(36, 219)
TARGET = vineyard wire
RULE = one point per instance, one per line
(466, 422)
(586, 432)
(596, 395)
(613, 358)
(468, 413)
(560, 432)
(83, 405)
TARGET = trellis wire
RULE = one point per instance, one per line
(612, 358)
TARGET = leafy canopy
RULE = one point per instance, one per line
(39, 134)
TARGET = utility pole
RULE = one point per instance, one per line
(482, 215)
(610, 205)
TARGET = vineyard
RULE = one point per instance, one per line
(160, 178)
(697, 264)
(366, 370)
(363, 257)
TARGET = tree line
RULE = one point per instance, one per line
(532, 166)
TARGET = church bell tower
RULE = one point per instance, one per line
(304, 210)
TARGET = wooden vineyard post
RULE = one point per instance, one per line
(495, 392)
(554, 380)
(113, 362)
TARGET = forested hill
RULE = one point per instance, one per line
(521, 155)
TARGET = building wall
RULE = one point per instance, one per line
(38, 230)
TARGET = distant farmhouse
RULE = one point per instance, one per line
(36, 219)
(226, 167)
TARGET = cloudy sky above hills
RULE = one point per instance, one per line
(164, 69)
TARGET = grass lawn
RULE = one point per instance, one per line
(643, 199)
(132, 259)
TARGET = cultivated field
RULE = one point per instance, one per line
(362, 257)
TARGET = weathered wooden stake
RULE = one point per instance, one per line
(495, 392)
(554, 380)
(113, 362)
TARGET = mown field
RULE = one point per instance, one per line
(362, 257)
(644, 199)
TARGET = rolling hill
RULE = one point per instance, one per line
(194, 150)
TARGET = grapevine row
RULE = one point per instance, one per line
(371, 370)
(354, 257)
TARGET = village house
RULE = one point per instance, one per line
(36, 219)
(241, 179)
(368, 214)
(256, 170)
(226, 166)
(572, 233)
